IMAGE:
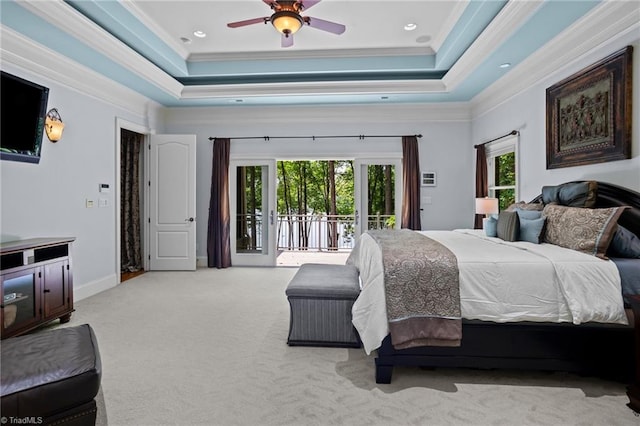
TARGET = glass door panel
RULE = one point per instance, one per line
(252, 198)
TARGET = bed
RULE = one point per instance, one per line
(570, 338)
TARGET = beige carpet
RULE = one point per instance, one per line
(209, 348)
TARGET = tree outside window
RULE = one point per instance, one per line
(505, 179)
(502, 160)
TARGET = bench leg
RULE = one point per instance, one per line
(383, 373)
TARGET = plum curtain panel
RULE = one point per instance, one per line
(130, 230)
(482, 182)
(411, 183)
(218, 233)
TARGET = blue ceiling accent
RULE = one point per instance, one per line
(474, 19)
(18, 18)
(551, 18)
(313, 66)
(119, 22)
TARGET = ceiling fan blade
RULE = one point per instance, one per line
(309, 3)
(248, 22)
(323, 25)
(272, 4)
(287, 41)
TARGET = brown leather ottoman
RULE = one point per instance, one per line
(50, 377)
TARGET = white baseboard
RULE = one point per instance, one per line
(201, 262)
(94, 287)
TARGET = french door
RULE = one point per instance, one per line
(377, 193)
(252, 198)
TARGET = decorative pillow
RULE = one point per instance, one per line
(508, 226)
(525, 206)
(624, 244)
(587, 230)
(528, 214)
(531, 229)
(491, 226)
(572, 194)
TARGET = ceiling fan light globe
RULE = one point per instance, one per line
(286, 22)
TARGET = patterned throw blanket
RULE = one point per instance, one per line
(422, 289)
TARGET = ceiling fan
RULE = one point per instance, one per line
(287, 20)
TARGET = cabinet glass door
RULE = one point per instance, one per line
(20, 299)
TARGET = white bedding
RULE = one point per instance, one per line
(501, 281)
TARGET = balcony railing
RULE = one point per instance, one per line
(310, 231)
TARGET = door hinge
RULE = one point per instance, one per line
(149, 219)
(39, 274)
(149, 147)
(149, 257)
(149, 183)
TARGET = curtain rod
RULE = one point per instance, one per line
(361, 137)
(511, 133)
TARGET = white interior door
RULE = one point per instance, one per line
(252, 198)
(172, 202)
(367, 183)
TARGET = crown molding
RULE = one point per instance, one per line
(24, 53)
(311, 54)
(606, 23)
(394, 114)
(512, 16)
(451, 22)
(67, 19)
(314, 88)
(135, 10)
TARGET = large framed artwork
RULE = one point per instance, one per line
(589, 114)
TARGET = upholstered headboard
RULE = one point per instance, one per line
(610, 195)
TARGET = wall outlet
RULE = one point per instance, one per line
(103, 202)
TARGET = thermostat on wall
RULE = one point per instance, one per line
(104, 187)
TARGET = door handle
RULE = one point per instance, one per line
(357, 217)
(189, 220)
(271, 217)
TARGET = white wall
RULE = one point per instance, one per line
(444, 147)
(49, 199)
(526, 112)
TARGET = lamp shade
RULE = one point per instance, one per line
(286, 22)
(53, 125)
(487, 205)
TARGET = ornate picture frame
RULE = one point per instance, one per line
(589, 114)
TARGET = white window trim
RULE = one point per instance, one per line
(495, 149)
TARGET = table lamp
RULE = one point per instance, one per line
(486, 206)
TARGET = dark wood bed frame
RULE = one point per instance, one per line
(605, 350)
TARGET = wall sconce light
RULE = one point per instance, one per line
(53, 125)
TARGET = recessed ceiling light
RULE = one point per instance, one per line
(384, 97)
(185, 40)
(236, 100)
(505, 65)
(423, 39)
(410, 26)
(199, 34)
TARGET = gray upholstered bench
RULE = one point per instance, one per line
(321, 297)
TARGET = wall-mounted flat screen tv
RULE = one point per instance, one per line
(22, 115)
